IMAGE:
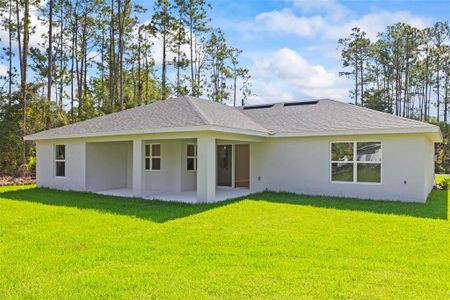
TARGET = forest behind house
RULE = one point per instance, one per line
(96, 57)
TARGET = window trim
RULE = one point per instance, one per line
(191, 157)
(56, 160)
(151, 156)
(355, 162)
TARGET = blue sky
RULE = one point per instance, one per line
(290, 45)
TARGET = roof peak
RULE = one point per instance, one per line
(195, 106)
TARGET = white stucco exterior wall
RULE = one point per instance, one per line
(295, 164)
(75, 178)
(429, 166)
(302, 165)
(96, 166)
(168, 178)
(188, 178)
(206, 169)
(173, 176)
(137, 169)
(108, 165)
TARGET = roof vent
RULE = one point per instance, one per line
(300, 103)
(258, 106)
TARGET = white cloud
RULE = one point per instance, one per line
(39, 29)
(374, 23)
(291, 77)
(284, 21)
(95, 56)
(267, 93)
(331, 21)
(289, 65)
(332, 8)
(3, 70)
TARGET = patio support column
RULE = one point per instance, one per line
(206, 169)
(137, 168)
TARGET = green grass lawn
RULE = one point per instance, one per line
(268, 245)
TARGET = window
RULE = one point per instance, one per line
(356, 162)
(153, 157)
(60, 160)
(191, 157)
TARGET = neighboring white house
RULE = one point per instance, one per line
(188, 149)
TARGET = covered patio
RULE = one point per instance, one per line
(189, 169)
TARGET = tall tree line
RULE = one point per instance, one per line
(404, 71)
(98, 57)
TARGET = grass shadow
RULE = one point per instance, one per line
(436, 206)
(154, 210)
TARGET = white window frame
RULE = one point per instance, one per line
(355, 162)
(191, 157)
(151, 156)
(56, 160)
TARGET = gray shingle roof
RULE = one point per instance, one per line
(325, 115)
(175, 112)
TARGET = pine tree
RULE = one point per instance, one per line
(162, 27)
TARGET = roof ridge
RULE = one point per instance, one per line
(195, 106)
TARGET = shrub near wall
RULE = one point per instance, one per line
(442, 181)
(8, 180)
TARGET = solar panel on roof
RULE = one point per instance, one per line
(300, 103)
(258, 106)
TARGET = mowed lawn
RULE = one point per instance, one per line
(268, 245)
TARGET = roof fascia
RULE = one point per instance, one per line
(433, 132)
(149, 131)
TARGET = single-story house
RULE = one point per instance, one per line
(193, 150)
